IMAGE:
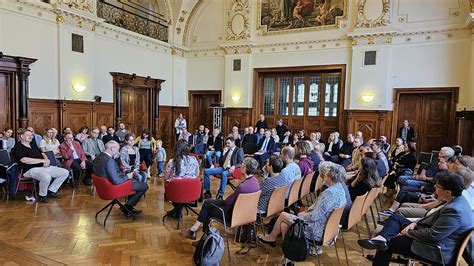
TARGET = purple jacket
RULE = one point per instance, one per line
(306, 166)
(250, 185)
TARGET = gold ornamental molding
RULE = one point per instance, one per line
(74, 18)
(82, 5)
(238, 17)
(237, 49)
(382, 20)
(280, 17)
(188, 21)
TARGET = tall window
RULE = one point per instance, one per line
(301, 94)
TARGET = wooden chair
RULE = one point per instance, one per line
(369, 200)
(305, 186)
(379, 196)
(275, 205)
(294, 191)
(319, 183)
(354, 217)
(459, 252)
(244, 212)
(331, 231)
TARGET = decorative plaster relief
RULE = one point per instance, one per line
(238, 17)
(382, 20)
(82, 5)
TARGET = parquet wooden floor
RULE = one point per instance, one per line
(65, 232)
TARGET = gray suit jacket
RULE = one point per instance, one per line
(88, 146)
(106, 167)
(446, 228)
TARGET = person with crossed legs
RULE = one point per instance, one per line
(266, 146)
(233, 157)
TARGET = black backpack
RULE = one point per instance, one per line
(295, 245)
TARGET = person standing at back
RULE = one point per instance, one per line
(406, 133)
(179, 124)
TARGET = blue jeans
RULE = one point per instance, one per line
(209, 156)
(141, 176)
(407, 180)
(216, 171)
(161, 165)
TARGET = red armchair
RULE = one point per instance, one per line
(235, 175)
(108, 191)
(184, 191)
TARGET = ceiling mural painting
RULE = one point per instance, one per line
(284, 16)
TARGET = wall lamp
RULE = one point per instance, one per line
(79, 88)
(235, 98)
(367, 98)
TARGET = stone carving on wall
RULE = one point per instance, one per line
(83, 5)
(238, 16)
(382, 20)
(283, 16)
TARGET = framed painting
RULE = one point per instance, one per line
(283, 16)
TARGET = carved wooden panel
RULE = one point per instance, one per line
(372, 124)
(141, 111)
(166, 127)
(76, 114)
(6, 105)
(43, 114)
(233, 116)
(104, 114)
(465, 131)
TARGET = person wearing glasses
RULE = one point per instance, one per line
(93, 146)
(445, 228)
(232, 159)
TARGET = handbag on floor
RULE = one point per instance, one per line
(295, 245)
(245, 235)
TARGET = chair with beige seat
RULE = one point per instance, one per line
(244, 212)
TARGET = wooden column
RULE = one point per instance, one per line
(118, 104)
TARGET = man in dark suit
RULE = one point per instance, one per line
(446, 228)
(233, 157)
(266, 147)
(406, 132)
(106, 167)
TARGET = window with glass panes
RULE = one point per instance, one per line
(301, 94)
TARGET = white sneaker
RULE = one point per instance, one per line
(212, 166)
(32, 198)
(315, 251)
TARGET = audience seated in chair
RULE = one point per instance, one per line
(214, 147)
(7, 142)
(75, 159)
(273, 168)
(316, 215)
(305, 163)
(427, 176)
(232, 159)
(36, 165)
(106, 167)
(181, 166)
(380, 156)
(445, 228)
(404, 164)
(208, 209)
(93, 146)
(266, 147)
(110, 135)
(366, 179)
(130, 158)
(291, 171)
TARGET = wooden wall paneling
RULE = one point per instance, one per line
(6, 108)
(166, 127)
(465, 131)
(199, 107)
(76, 114)
(373, 124)
(43, 114)
(103, 114)
(234, 116)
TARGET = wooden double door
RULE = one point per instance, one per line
(136, 109)
(200, 111)
(431, 112)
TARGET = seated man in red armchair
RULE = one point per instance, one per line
(75, 159)
(105, 166)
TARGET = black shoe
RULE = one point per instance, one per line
(43, 199)
(127, 210)
(53, 195)
(87, 182)
(133, 210)
(219, 197)
(207, 195)
(271, 243)
(188, 234)
(372, 244)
